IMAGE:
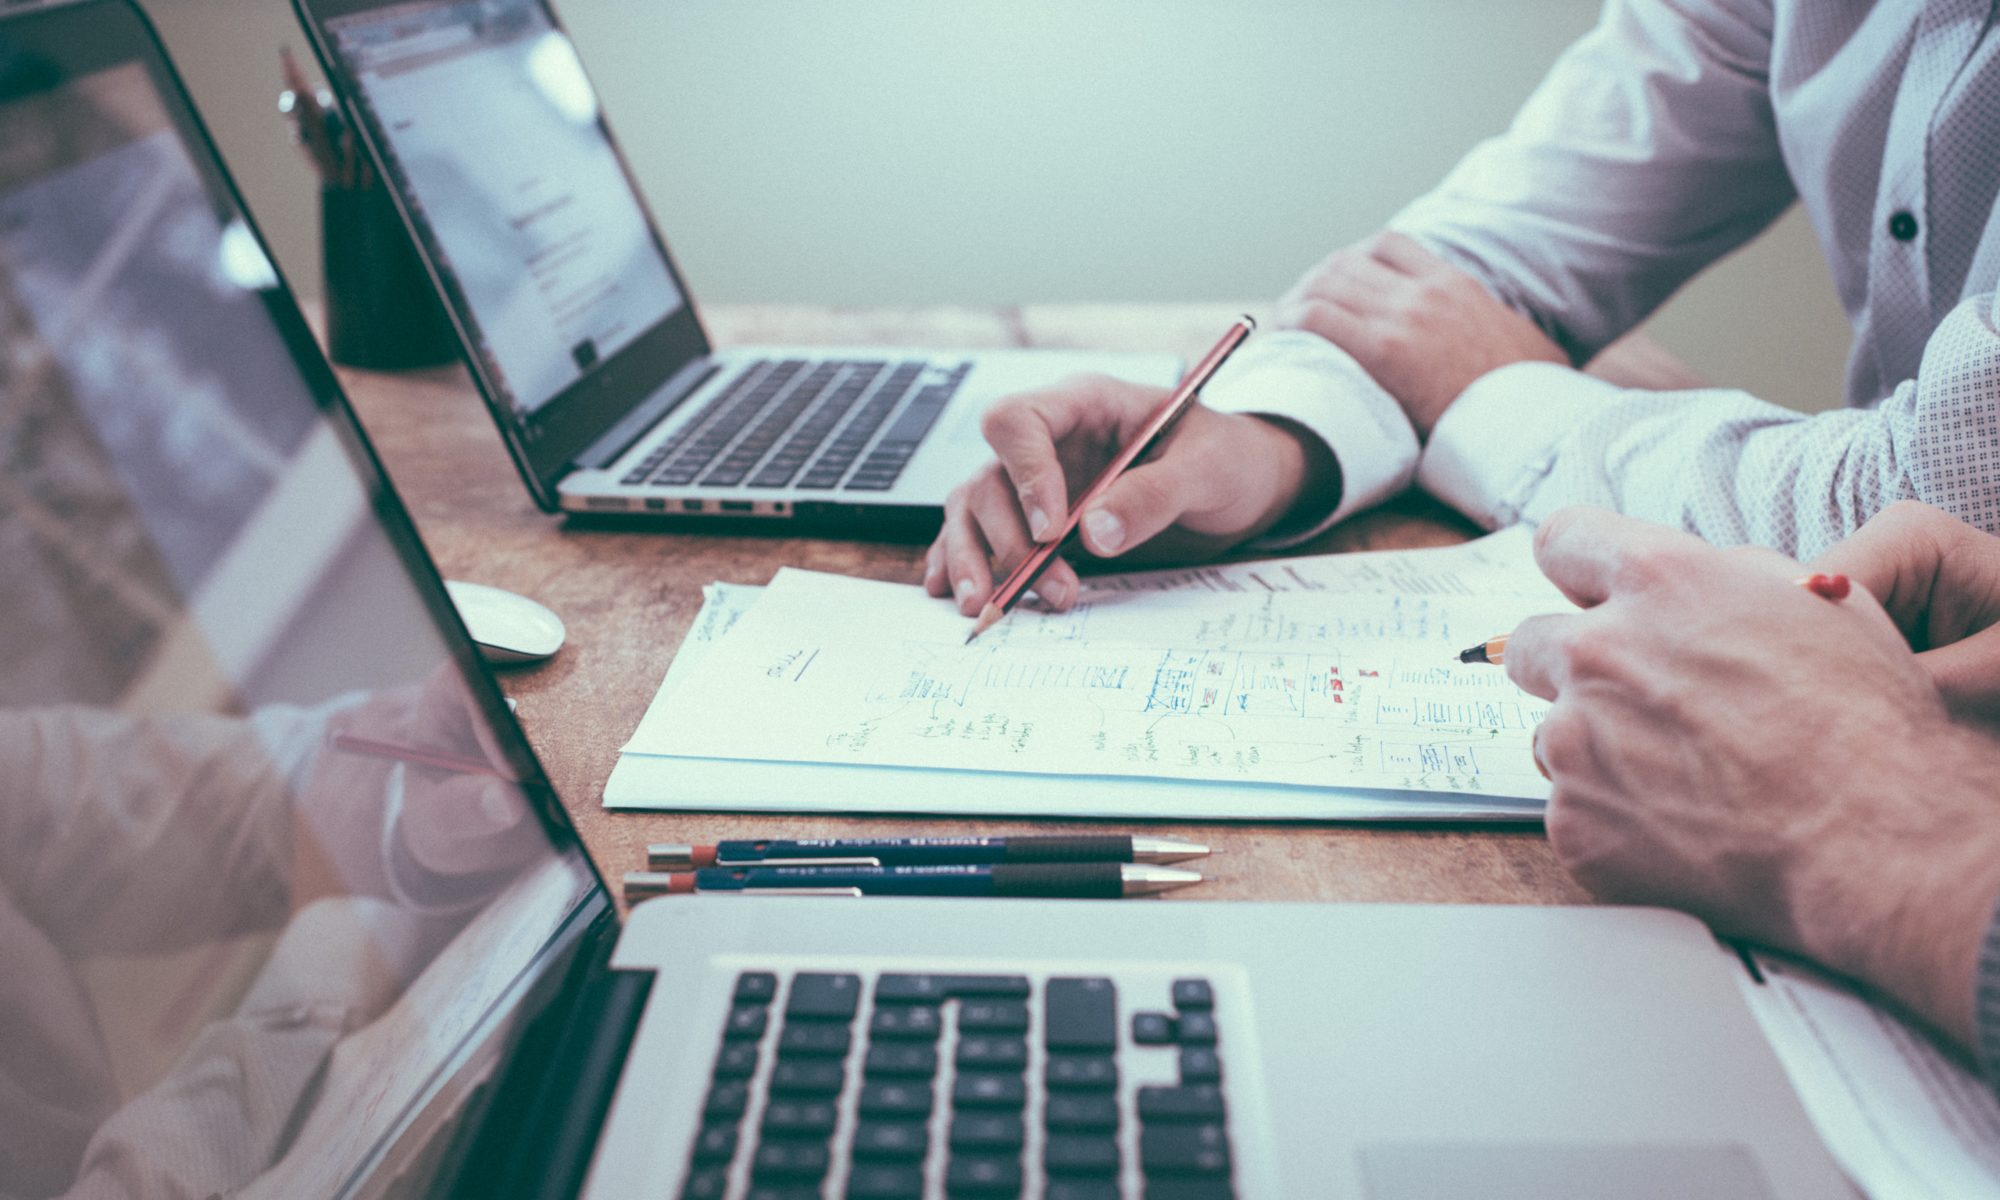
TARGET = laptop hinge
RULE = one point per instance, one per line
(539, 1127)
(649, 412)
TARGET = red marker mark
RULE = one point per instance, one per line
(1830, 587)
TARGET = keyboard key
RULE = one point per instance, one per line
(1152, 1029)
(738, 1060)
(898, 1140)
(1186, 1187)
(1080, 1154)
(1193, 993)
(1184, 1150)
(726, 1101)
(813, 1040)
(883, 1181)
(982, 1176)
(1199, 1103)
(985, 1089)
(709, 1183)
(992, 1054)
(930, 989)
(819, 997)
(1200, 1064)
(808, 1077)
(915, 1022)
(895, 1099)
(985, 1131)
(787, 1159)
(1082, 1189)
(993, 1016)
(715, 1143)
(746, 1023)
(901, 1058)
(1197, 1028)
(756, 987)
(1082, 1014)
(1081, 1073)
(798, 1118)
(1081, 1112)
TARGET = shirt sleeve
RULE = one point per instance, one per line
(1530, 438)
(1986, 1004)
(1303, 378)
(1649, 151)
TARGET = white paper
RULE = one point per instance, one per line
(1901, 1117)
(1335, 672)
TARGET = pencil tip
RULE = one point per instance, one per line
(987, 617)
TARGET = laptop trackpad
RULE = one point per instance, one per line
(1428, 1171)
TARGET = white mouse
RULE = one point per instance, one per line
(508, 628)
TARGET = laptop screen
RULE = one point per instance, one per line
(492, 133)
(266, 879)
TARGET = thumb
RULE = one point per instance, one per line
(1967, 675)
(1143, 502)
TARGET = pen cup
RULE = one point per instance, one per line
(382, 313)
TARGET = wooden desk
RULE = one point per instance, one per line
(629, 597)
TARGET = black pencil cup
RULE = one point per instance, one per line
(382, 313)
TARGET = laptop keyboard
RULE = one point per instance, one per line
(958, 1086)
(791, 423)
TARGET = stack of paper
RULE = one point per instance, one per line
(1323, 687)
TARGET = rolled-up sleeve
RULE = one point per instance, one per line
(1649, 151)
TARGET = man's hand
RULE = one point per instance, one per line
(1220, 480)
(1421, 327)
(1780, 765)
(1939, 579)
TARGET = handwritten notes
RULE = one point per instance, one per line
(1332, 673)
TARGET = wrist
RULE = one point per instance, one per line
(1905, 904)
(1306, 481)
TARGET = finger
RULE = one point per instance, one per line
(1938, 578)
(1059, 586)
(1590, 553)
(1967, 675)
(1027, 430)
(934, 575)
(1352, 277)
(999, 521)
(1143, 501)
(1538, 653)
(1316, 314)
(1403, 254)
(967, 558)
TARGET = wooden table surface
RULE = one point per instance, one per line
(628, 597)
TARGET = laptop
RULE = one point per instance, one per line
(578, 328)
(290, 910)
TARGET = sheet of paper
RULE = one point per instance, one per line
(722, 605)
(1901, 1117)
(1351, 684)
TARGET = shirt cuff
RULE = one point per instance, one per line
(1986, 1004)
(1303, 378)
(1499, 438)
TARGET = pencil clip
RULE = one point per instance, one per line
(797, 891)
(798, 862)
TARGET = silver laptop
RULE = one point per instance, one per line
(288, 909)
(578, 328)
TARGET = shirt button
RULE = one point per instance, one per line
(1903, 225)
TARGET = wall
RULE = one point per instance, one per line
(907, 152)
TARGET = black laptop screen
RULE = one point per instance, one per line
(264, 876)
(494, 136)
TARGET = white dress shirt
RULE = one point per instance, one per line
(1670, 135)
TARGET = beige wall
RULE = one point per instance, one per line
(908, 152)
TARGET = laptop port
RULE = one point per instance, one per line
(656, 504)
(692, 505)
(739, 506)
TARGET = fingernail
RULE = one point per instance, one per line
(496, 805)
(1038, 524)
(1059, 592)
(962, 588)
(1107, 532)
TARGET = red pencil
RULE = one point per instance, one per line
(443, 760)
(1023, 577)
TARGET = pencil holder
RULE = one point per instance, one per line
(381, 311)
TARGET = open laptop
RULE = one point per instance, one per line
(261, 942)
(578, 328)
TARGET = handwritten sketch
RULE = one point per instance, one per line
(1297, 674)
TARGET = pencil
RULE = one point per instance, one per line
(443, 760)
(1155, 430)
(1832, 587)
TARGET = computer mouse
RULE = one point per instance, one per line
(507, 628)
